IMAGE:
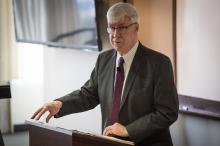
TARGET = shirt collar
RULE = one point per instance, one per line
(128, 57)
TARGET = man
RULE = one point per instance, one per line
(137, 96)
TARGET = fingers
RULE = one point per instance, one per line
(116, 129)
(48, 117)
(53, 108)
(36, 113)
(111, 130)
(107, 131)
(43, 110)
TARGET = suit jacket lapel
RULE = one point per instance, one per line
(111, 78)
(132, 74)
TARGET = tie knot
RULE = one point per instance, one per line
(121, 61)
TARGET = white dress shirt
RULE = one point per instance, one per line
(128, 59)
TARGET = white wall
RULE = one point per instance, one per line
(198, 57)
(66, 70)
(47, 73)
(27, 89)
(198, 53)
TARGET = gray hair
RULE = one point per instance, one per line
(121, 10)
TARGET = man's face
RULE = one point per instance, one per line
(123, 35)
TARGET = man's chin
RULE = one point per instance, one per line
(117, 46)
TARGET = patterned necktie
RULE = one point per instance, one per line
(117, 92)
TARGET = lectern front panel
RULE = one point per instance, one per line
(44, 137)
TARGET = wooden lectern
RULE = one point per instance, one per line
(42, 134)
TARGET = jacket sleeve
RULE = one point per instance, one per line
(165, 105)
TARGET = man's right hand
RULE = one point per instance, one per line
(52, 107)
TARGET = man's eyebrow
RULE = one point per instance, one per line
(116, 25)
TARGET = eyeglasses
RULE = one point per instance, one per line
(120, 29)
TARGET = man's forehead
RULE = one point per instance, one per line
(119, 22)
(122, 21)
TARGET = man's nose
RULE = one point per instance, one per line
(116, 32)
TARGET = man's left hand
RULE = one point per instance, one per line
(116, 129)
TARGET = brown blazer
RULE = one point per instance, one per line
(149, 102)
